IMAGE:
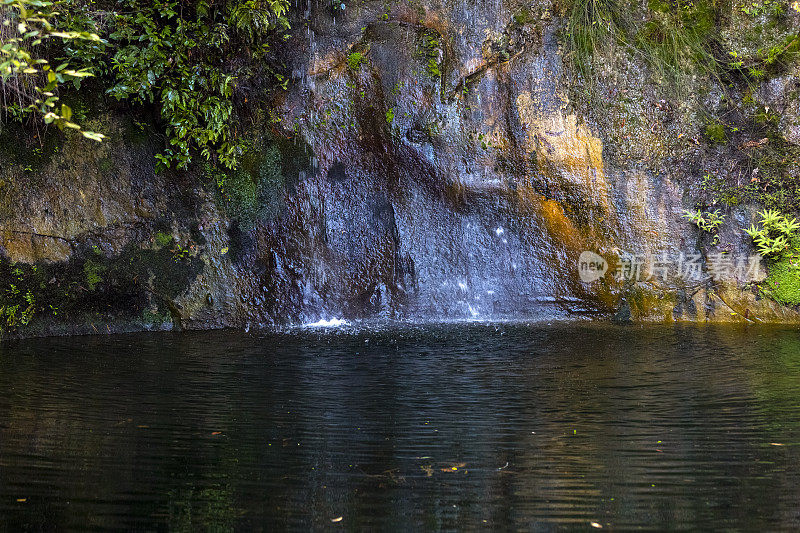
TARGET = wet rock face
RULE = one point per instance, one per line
(464, 123)
(453, 178)
(92, 240)
(429, 186)
(783, 95)
(444, 163)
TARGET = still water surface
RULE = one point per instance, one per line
(417, 428)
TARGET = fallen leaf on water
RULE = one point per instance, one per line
(22, 500)
(595, 524)
(223, 251)
(143, 427)
(776, 444)
(337, 519)
(216, 433)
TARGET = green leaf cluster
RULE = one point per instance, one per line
(709, 222)
(25, 28)
(181, 59)
(19, 309)
(197, 64)
(777, 240)
(775, 235)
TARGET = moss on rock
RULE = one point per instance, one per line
(98, 288)
(783, 282)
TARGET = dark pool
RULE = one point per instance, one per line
(458, 427)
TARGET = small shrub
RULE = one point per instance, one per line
(17, 304)
(777, 240)
(708, 222)
(777, 234)
(27, 80)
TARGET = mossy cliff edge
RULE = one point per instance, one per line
(433, 160)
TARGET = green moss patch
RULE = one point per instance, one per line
(162, 239)
(355, 60)
(524, 16)
(783, 282)
(428, 51)
(715, 133)
(93, 287)
(93, 271)
(255, 192)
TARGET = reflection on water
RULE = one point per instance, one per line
(432, 427)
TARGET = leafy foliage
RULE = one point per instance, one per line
(708, 222)
(189, 60)
(776, 239)
(175, 56)
(17, 304)
(29, 82)
(756, 9)
(776, 234)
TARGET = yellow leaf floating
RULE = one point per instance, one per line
(224, 251)
(337, 519)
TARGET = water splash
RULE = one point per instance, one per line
(332, 323)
